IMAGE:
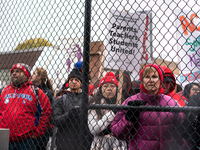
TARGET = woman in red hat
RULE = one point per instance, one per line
(99, 120)
(147, 130)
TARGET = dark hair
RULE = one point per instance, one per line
(43, 73)
(178, 88)
(129, 91)
(136, 86)
(186, 91)
(97, 100)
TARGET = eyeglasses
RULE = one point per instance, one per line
(108, 86)
(195, 89)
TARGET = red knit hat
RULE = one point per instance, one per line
(24, 67)
(160, 72)
(108, 78)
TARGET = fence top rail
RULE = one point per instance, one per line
(146, 108)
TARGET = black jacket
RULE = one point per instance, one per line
(67, 117)
(191, 124)
(47, 91)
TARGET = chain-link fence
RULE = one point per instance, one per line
(100, 74)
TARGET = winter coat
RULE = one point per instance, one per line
(19, 107)
(68, 122)
(42, 141)
(191, 124)
(177, 97)
(103, 139)
(47, 91)
(183, 98)
(154, 130)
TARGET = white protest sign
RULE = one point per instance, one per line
(124, 44)
(188, 37)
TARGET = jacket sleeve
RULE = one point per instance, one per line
(50, 96)
(97, 126)
(59, 116)
(46, 111)
(120, 127)
(1, 105)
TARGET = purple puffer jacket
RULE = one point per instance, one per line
(154, 130)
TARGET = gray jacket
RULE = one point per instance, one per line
(66, 116)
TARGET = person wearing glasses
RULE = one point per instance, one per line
(189, 91)
(99, 119)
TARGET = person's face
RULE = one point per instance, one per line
(75, 84)
(151, 82)
(18, 77)
(194, 90)
(109, 90)
(166, 86)
(36, 78)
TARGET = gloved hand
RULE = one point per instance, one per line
(115, 110)
(75, 111)
(133, 114)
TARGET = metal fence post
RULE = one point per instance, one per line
(86, 56)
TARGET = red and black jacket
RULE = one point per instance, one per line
(19, 107)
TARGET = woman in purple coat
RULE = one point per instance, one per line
(149, 130)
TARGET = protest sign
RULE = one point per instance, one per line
(125, 40)
(188, 41)
(125, 43)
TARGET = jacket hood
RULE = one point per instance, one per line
(160, 72)
(169, 73)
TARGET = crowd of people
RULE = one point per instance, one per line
(31, 109)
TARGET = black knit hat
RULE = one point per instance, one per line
(75, 73)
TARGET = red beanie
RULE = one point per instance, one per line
(91, 89)
(24, 67)
(108, 78)
(160, 72)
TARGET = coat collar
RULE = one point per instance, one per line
(149, 98)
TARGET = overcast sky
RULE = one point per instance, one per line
(52, 20)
